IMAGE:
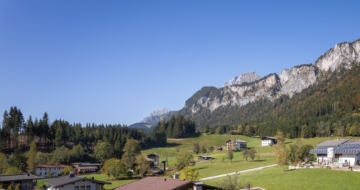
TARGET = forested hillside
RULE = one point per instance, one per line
(48, 135)
(329, 107)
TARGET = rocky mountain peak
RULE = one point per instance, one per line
(342, 53)
(156, 116)
(244, 77)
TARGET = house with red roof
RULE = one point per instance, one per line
(159, 183)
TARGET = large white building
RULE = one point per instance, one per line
(47, 170)
(338, 152)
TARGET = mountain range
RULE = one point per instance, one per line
(248, 88)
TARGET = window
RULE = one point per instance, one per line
(88, 187)
(40, 173)
(82, 187)
(76, 188)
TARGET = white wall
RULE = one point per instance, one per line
(265, 142)
(43, 171)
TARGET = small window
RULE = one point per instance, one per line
(82, 187)
(76, 188)
(88, 187)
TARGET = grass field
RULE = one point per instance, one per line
(216, 167)
(274, 178)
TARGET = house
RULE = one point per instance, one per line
(154, 159)
(237, 145)
(343, 152)
(72, 182)
(268, 141)
(86, 167)
(26, 181)
(159, 183)
(200, 158)
(47, 170)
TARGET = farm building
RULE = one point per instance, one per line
(338, 152)
(48, 170)
(86, 167)
(237, 145)
(25, 181)
(268, 141)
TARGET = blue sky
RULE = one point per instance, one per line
(116, 61)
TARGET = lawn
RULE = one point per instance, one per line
(274, 178)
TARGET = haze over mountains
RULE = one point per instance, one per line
(250, 87)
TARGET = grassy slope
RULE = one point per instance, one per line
(274, 178)
(216, 167)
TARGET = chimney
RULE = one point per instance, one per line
(176, 176)
(71, 175)
(92, 177)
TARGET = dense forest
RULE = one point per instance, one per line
(15, 131)
(329, 107)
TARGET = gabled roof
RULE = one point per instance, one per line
(18, 177)
(268, 137)
(333, 143)
(51, 166)
(240, 141)
(155, 183)
(61, 181)
(342, 146)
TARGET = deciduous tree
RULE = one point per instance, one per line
(182, 160)
(131, 150)
(142, 164)
(189, 173)
(32, 157)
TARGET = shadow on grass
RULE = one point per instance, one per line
(259, 160)
(200, 168)
(172, 144)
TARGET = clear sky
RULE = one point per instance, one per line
(114, 62)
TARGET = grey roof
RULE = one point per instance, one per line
(343, 146)
(331, 143)
(67, 179)
(18, 177)
(240, 141)
(269, 137)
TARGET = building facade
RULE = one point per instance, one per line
(25, 181)
(268, 141)
(72, 182)
(49, 170)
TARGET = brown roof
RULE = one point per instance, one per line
(67, 180)
(155, 183)
(51, 166)
(86, 167)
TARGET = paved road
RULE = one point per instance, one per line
(243, 171)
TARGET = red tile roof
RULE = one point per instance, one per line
(155, 183)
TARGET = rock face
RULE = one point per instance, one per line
(235, 95)
(249, 87)
(343, 53)
(245, 77)
(296, 79)
(157, 116)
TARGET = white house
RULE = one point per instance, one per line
(72, 182)
(268, 141)
(43, 170)
(338, 152)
